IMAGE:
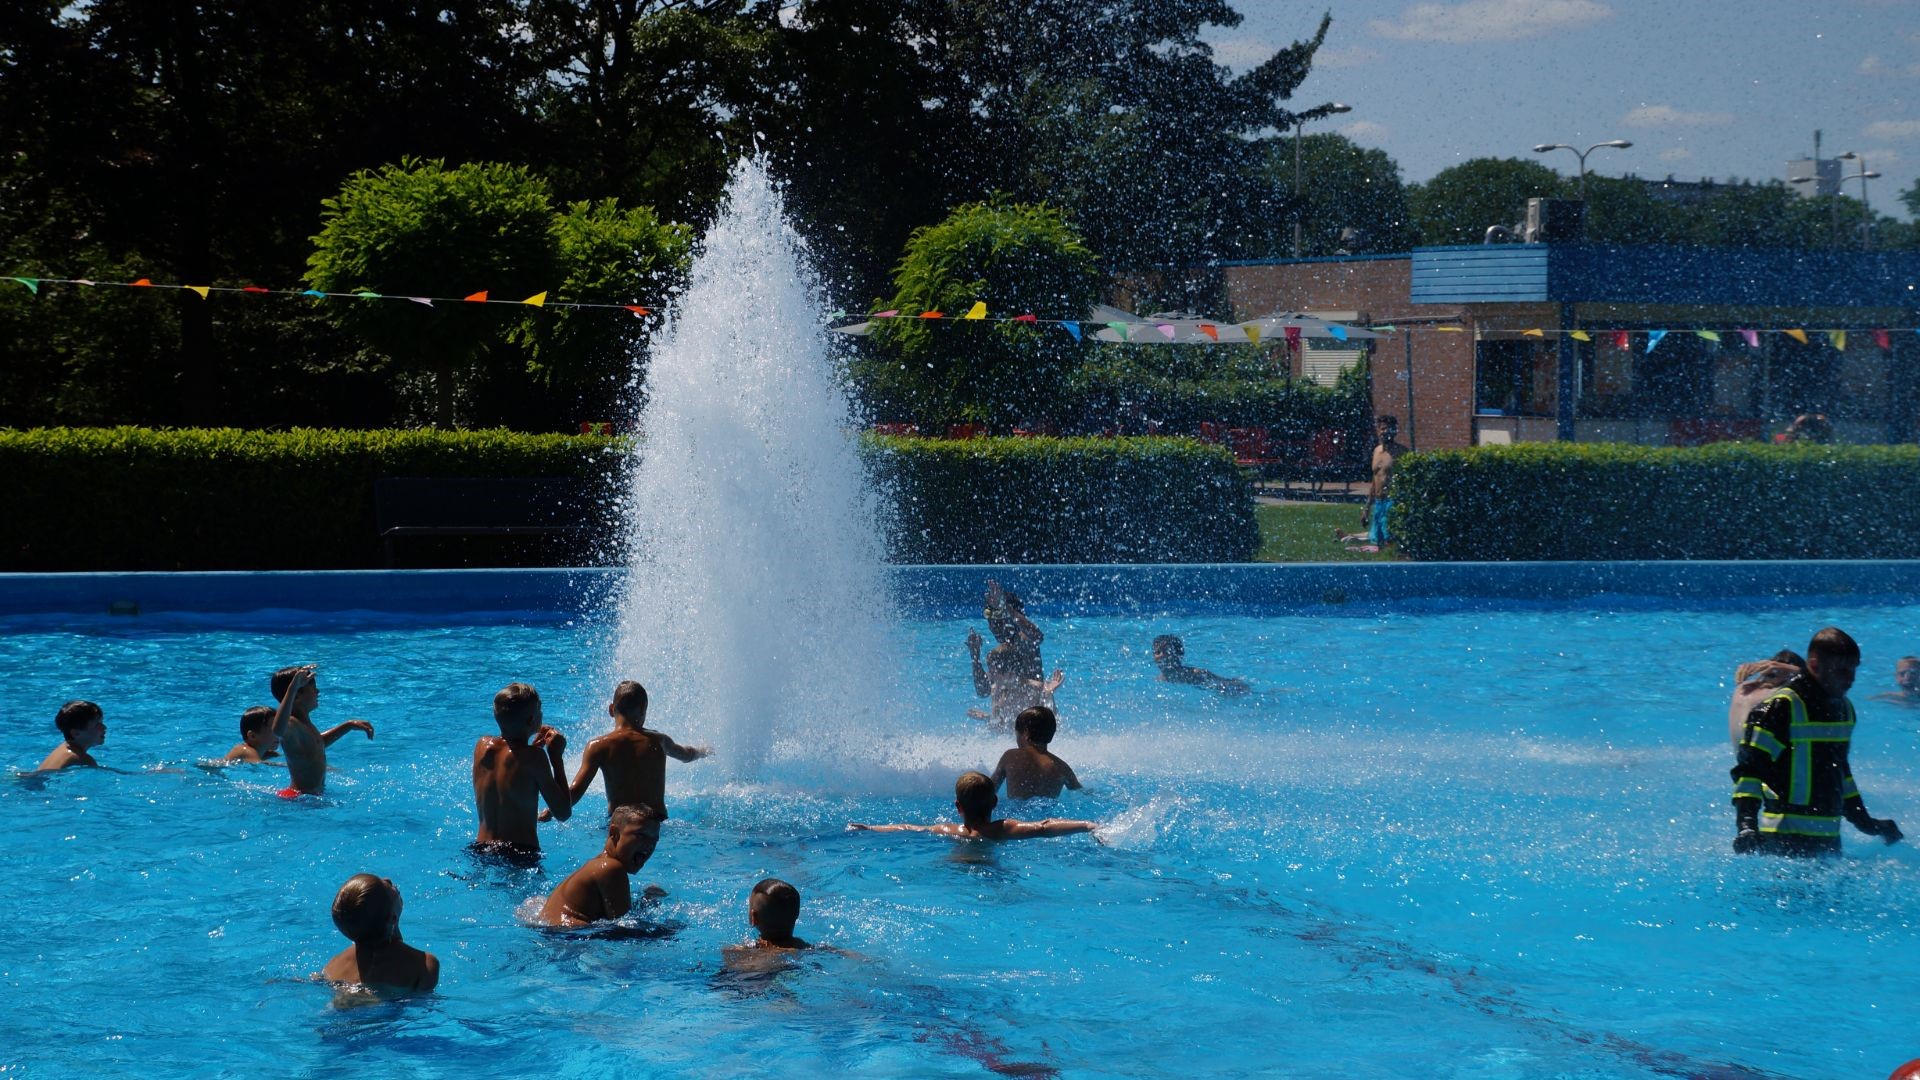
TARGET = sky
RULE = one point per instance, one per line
(1704, 88)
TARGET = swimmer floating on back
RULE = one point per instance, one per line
(600, 889)
(974, 797)
(632, 758)
(367, 910)
(82, 727)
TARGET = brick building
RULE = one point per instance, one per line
(1486, 352)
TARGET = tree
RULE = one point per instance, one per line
(1461, 202)
(1346, 186)
(1016, 259)
(410, 229)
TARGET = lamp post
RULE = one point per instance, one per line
(1615, 144)
(1332, 108)
(1866, 208)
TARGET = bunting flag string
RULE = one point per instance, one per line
(1128, 331)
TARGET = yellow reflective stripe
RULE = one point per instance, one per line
(1747, 788)
(1815, 731)
(1762, 740)
(1799, 824)
(1849, 789)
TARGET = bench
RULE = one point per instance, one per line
(475, 506)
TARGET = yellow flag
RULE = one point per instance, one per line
(1452, 329)
(1839, 339)
(977, 311)
(201, 289)
(1581, 335)
(1797, 335)
(1253, 333)
(1533, 333)
(538, 299)
(1710, 335)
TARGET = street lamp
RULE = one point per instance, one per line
(1331, 108)
(1866, 219)
(1616, 144)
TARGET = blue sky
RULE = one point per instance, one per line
(1703, 88)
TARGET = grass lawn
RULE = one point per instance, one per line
(1304, 533)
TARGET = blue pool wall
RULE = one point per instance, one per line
(955, 591)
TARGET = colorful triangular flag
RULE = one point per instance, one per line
(33, 285)
(1166, 330)
(1796, 334)
(1121, 329)
(421, 300)
(1071, 327)
(1710, 335)
(313, 293)
(933, 315)
(1533, 333)
(887, 314)
(477, 298)
(1292, 334)
(1883, 339)
(1338, 331)
(1653, 338)
(201, 289)
(255, 289)
(1751, 337)
(1623, 341)
(977, 312)
(1025, 318)
(1210, 330)
(1838, 339)
(1581, 335)
(144, 283)
(538, 299)
(640, 312)
(1253, 333)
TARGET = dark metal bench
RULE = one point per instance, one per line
(475, 506)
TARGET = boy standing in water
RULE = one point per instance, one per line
(367, 911)
(82, 727)
(1029, 769)
(298, 692)
(600, 889)
(773, 908)
(633, 758)
(514, 770)
(974, 797)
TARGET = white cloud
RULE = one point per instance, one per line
(1361, 130)
(1666, 116)
(1475, 21)
(1678, 153)
(1893, 129)
(1355, 56)
(1873, 65)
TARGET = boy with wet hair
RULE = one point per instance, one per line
(257, 740)
(367, 911)
(1170, 656)
(1030, 770)
(975, 798)
(516, 769)
(82, 727)
(297, 689)
(1792, 784)
(631, 757)
(772, 908)
(1906, 676)
(600, 889)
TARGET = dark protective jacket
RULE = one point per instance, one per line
(1792, 781)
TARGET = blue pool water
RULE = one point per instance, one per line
(1436, 841)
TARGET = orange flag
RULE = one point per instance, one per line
(478, 298)
(635, 308)
(144, 283)
(1797, 335)
(1210, 330)
(932, 315)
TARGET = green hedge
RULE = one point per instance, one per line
(142, 499)
(1613, 501)
(1047, 500)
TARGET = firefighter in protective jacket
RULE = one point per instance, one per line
(1792, 784)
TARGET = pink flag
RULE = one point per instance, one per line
(1752, 338)
(1882, 338)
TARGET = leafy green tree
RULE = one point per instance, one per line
(606, 255)
(1460, 202)
(408, 230)
(1344, 186)
(1017, 259)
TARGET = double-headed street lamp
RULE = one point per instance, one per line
(1615, 144)
(1332, 108)
(1866, 208)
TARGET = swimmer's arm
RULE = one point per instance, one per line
(1048, 827)
(285, 708)
(616, 892)
(332, 734)
(855, 826)
(429, 973)
(683, 753)
(553, 783)
(1072, 781)
(1000, 770)
(589, 767)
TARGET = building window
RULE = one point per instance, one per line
(1513, 378)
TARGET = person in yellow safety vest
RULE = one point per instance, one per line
(1792, 784)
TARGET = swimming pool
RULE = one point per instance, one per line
(1443, 837)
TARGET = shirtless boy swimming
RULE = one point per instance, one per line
(600, 889)
(298, 692)
(514, 770)
(1029, 769)
(632, 758)
(82, 727)
(773, 908)
(257, 740)
(974, 797)
(367, 911)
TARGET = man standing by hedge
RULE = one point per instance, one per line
(1386, 451)
(1792, 784)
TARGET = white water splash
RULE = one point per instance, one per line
(755, 610)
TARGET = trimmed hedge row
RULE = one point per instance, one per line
(1063, 500)
(225, 499)
(1615, 501)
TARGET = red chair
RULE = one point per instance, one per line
(1209, 432)
(967, 431)
(1252, 448)
(1324, 464)
(896, 429)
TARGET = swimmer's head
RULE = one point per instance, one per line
(516, 708)
(81, 723)
(773, 908)
(1036, 725)
(632, 834)
(1832, 659)
(974, 797)
(1906, 673)
(309, 695)
(1169, 650)
(367, 910)
(256, 729)
(629, 702)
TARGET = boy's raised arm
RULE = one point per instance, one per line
(553, 784)
(683, 753)
(332, 734)
(285, 709)
(589, 766)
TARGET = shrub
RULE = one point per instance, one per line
(1613, 501)
(1072, 500)
(142, 499)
